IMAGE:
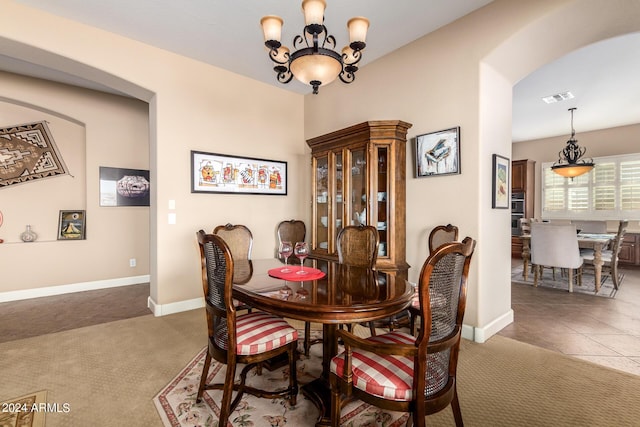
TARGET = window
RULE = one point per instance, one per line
(611, 191)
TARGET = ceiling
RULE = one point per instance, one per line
(227, 34)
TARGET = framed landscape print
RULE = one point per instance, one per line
(500, 192)
(220, 173)
(438, 153)
(71, 225)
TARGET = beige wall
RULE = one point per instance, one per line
(457, 76)
(191, 106)
(605, 142)
(462, 75)
(91, 129)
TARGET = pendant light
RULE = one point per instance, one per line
(570, 162)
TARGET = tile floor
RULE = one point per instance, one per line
(601, 330)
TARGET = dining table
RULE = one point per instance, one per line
(595, 241)
(328, 293)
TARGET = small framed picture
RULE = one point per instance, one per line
(438, 153)
(500, 193)
(71, 225)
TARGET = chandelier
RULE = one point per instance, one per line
(570, 162)
(314, 60)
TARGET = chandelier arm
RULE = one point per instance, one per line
(357, 56)
(347, 76)
(273, 55)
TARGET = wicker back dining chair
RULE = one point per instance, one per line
(240, 241)
(358, 246)
(440, 235)
(233, 339)
(422, 378)
(294, 231)
(609, 256)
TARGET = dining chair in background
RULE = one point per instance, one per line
(294, 230)
(593, 227)
(610, 256)
(358, 246)
(440, 235)
(232, 338)
(426, 382)
(240, 241)
(555, 246)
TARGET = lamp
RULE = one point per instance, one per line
(570, 162)
(314, 60)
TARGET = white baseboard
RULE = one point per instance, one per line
(74, 287)
(174, 307)
(480, 335)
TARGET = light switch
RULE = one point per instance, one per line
(172, 204)
(172, 218)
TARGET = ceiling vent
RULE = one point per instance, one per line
(557, 97)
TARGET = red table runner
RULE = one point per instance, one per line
(293, 276)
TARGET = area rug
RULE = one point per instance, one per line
(176, 403)
(24, 411)
(28, 153)
(561, 282)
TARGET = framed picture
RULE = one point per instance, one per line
(220, 173)
(71, 225)
(438, 153)
(124, 187)
(501, 172)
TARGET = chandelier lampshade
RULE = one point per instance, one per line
(314, 60)
(570, 161)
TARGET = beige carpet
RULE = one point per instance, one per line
(109, 374)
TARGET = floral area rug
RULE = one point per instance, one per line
(28, 153)
(176, 403)
(561, 281)
(24, 411)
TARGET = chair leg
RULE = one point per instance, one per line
(536, 273)
(225, 405)
(203, 378)
(372, 329)
(455, 407)
(293, 375)
(614, 275)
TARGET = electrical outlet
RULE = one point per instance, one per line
(132, 262)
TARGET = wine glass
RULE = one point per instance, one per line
(301, 251)
(285, 250)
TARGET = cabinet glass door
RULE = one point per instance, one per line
(358, 187)
(338, 209)
(382, 196)
(321, 203)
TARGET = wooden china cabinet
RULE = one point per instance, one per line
(359, 178)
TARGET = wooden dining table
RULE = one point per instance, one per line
(597, 242)
(345, 295)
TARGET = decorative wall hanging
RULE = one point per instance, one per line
(71, 225)
(500, 181)
(124, 187)
(438, 153)
(219, 173)
(28, 153)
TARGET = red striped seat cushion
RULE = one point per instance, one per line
(386, 376)
(259, 332)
